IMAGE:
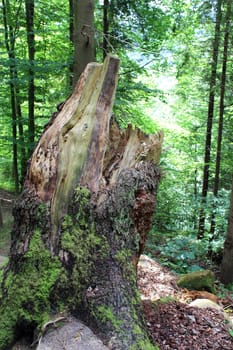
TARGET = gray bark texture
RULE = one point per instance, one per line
(83, 36)
(226, 275)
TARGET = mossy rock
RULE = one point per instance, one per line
(198, 280)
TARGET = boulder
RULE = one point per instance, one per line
(198, 280)
(206, 303)
(72, 335)
(63, 333)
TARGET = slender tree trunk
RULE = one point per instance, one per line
(82, 219)
(226, 274)
(105, 27)
(21, 145)
(71, 32)
(10, 44)
(213, 77)
(221, 114)
(14, 133)
(84, 48)
(29, 6)
(10, 37)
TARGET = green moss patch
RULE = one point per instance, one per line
(82, 246)
(26, 292)
(198, 280)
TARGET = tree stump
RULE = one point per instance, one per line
(80, 224)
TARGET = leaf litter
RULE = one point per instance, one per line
(171, 322)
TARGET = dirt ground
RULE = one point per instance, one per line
(174, 324)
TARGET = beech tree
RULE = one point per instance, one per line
(83, 35)
(213, 77)
(29, 7)
(226, 274)
(10, 31)
(221, 112)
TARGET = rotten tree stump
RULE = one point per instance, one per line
(82, 219)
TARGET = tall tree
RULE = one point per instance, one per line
(221, 111)
(105, 27)
(10, 32)
(226, 274)
(212, 86)
(71, 35)
(84, 45)
(29, 6)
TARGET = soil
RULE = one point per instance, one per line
(171, 322)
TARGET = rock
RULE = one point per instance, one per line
(198, 294)
(72, 335)
(205, 303)
(198, 280)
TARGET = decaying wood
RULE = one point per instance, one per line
(90, 191)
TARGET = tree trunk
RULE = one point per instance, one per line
(105, 27)
(29, 5)
(9, 43)
(82, 219)
(226, 275)
(71, 35)
(84, 49)
(221, 114)
(18, 147)
(213, 77)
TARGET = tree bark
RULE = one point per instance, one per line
(221, 114)
(82, 219)
(84, 49)
(10, 34)
(226, 274)
(29, 5)
(71, 35)
(105, 27)
(10, 47)
(210, 116)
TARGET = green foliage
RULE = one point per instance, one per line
(225, 291)
(182, 253)
(51, 69)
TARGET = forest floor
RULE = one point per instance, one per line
(171, 322)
